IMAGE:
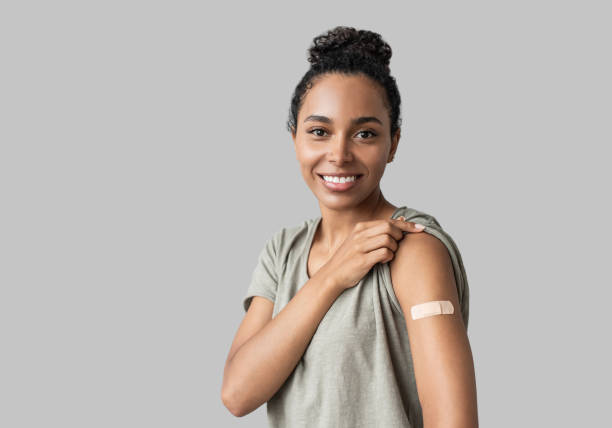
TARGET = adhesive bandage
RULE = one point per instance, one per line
(436, 307)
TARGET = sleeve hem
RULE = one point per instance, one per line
(246, 301)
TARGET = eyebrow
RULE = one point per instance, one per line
(357, 121)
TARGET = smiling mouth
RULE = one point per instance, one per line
(357, 176)
(340, 186)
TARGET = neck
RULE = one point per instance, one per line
(337, 224)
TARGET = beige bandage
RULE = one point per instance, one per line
(436, 307)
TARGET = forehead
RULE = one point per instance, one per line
(342, 97)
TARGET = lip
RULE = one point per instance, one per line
(340, 187)
(342, 174)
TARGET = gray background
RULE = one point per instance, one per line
(144, 162)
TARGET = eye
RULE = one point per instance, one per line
(373, 133)
(317, 133)
(313, 132)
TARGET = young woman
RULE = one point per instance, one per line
(328, 339)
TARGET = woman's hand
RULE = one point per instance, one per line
(369, 243)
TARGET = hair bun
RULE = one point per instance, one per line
(349, 45)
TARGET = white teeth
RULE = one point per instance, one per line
(339, 179)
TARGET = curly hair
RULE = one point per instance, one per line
(349, 51)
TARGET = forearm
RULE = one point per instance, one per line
(263, 363)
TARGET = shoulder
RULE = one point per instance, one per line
(422, 270)
(422, 260)
(289, 239)
(291, 231)
(429, 262)
(417, 216)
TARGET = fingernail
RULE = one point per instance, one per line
(419, 226)
(402, 218)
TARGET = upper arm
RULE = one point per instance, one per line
(422, 271)
(257, 316)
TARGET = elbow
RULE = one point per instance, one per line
(230, 396)
(232, 403)
(229, 393)
(237, 396)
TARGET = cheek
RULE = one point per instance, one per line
(307, 155)
(376, 155)
(375, 158)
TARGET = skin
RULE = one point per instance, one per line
(443, 364)
(340, 146)
(421, 269)
(266, 350)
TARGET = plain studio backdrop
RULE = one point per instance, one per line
(144, 162)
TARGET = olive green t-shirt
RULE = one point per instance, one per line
(357, 370)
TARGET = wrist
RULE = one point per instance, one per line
(326, 281)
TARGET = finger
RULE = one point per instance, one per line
(408, 226)
(383, 227)
(394, 227)
(379, 241)
(382, 255)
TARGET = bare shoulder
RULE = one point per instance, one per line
(422, 270)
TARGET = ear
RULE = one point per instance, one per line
(394, 144)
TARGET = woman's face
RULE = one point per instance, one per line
(343, 128)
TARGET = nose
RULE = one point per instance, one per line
(340, 151)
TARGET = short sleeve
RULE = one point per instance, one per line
(264, 279)
(433, 227)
